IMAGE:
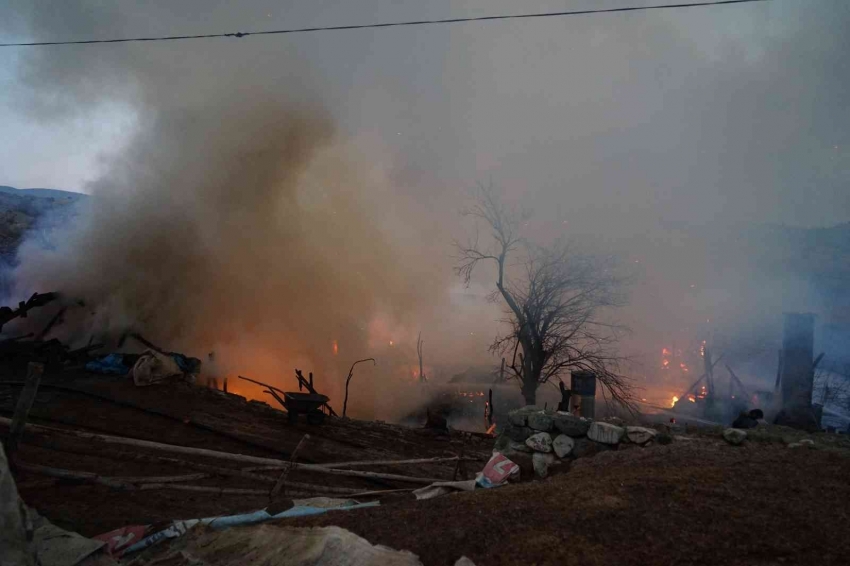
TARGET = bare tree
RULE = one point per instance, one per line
(555, 306)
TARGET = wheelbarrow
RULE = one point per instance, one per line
(309, 404)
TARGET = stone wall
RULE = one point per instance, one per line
(541, 441)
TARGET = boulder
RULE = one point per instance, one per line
(519, 417)
(540, 442)
(734, 436)
(563, 445)
(605, 433)
(518, 433)
(639, 434)
(570, 425)
(584, 448)
(541, 463)
(540, 421)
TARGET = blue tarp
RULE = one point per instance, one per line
(185, 363)
(179, 528)
(113, 364)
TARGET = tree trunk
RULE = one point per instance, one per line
(530, 394)
(530, 380)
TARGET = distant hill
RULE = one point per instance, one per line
(22, 209)
(42, 193)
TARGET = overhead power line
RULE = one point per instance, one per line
(386, 25)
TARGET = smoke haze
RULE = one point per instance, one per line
(270, 195)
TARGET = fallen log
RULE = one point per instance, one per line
(210, 470)
(203, 452)
(165, 482)
(381, 492)
(392, 462)
(106, 480)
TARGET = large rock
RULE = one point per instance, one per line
(541, 463)
(540, 442)
(540, 421)
(605, 433)
(563, 445)
(570, 425)
(639, 434)
(519, 417)
(518, 433)
(734, 436)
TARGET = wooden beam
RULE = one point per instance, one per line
(206, 453)
(738, 381)
(22, 408)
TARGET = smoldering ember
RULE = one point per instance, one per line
(447, 283)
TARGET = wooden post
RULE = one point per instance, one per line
(281, 481)
(225, 385)
(22, 408)
(490, 412)
(419, 344)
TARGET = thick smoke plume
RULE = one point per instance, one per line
(235, 221)
(242, 218)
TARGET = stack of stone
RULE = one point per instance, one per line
(539, 440)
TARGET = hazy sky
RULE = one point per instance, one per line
(741, 111)
(619, 126)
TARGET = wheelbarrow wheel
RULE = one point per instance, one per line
(293, 417)
(316, 418)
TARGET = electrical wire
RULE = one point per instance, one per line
(388, 25)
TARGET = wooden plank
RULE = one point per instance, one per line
(23, 406)
(203, 452)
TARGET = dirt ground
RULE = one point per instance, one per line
(197, 417)
(695, 501)
(689, 503)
